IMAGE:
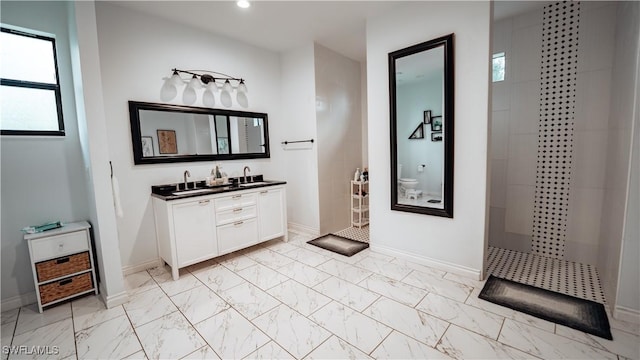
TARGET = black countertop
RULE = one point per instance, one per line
(168, 192)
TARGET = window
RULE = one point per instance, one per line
(498, 67)
(30, 100)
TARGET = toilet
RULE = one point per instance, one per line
(407, 185)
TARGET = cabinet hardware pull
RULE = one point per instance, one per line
(62, 260)
(238, 223)
(65, 282)
(238, 209)
(203, 202)
(236, 196)
(264, 192)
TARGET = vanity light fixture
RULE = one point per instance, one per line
(212, 82)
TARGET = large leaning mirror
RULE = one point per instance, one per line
(421, 104)
(163, 133)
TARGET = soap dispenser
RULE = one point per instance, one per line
(356, 176)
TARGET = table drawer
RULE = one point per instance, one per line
(60, 245)
(63, 266)
(235, 215)
(235, 201)
(61, 289)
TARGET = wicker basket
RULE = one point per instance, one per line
(51, 269)
(66, 287)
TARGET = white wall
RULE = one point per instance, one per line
(620, 281)
(337, 80)
(136, 52)
(43, 178)
(515, 114)
(299, 113)
(456, 244)
(363, 108)
(92, 125)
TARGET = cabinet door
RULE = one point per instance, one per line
(237, 235)
(271, 213)
(194, 228)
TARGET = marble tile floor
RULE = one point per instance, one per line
(294, 300)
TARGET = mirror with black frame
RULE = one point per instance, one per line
(421, 105)
(164, 133)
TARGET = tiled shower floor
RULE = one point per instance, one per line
(354, 233)
(567, 277)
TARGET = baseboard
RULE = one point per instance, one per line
(436, 264)
(626, 314)
(132, 269)
(303, 229)
(19, 301)
(112, 301)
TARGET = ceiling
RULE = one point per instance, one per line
(277, 25)
(283, 25)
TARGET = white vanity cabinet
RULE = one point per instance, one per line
(194, 222)
(273, 212)
(195, 229)
(237, 227)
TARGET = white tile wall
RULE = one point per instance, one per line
(589, 159)
(519, 214)
(518, 96)
(593, 93)
(526, 53)
(499, 134)
(499, 183)
(525, 107)
(521, 168)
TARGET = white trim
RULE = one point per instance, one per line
(626, 314)
(19, 301)
(303, 229)
(434, 263)
(111, 301)
(132, 269)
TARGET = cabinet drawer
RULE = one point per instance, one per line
(237, 235)
(234, 202)
(60, 245)
(235, 215)
(66, 287)
(60, 267)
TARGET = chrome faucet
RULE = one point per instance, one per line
(246, 168)
(186, 174)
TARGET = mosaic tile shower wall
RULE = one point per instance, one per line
(555, 127)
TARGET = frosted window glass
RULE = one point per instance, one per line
(28, 109)
(498, 67)
(27, 59)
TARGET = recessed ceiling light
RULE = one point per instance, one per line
(243, 4)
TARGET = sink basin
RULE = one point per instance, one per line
(189, 192)
(253, 183)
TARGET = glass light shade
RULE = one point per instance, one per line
(189, 95)
(243, 4)
(242, 99)
(207, 98)
(225, 98)
(176, 80)
(227, 86)
(168, 91)
(195, 83)
(242, 88)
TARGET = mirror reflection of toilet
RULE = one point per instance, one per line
(408, 186)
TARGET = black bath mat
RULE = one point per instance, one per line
(584, 315)
(339, 244)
